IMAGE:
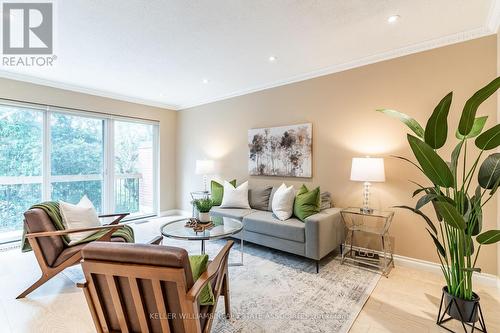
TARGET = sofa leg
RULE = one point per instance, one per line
(317, 266)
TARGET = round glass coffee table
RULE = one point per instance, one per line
(223, 227)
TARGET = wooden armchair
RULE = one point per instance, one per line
(52, 254)
(145, 288)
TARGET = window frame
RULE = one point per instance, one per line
(108, 174)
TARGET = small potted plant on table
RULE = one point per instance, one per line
(457, 191)
(203, 206)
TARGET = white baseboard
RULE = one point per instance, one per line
(172, 212)
(485, 279)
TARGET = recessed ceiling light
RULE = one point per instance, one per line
(205, 81)
(272, 59)
(393, 19)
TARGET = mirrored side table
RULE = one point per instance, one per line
(369, 228)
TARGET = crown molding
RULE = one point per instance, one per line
(84, 90)
(407, 50)
(489, 29)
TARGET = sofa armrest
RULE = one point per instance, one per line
(324, 233)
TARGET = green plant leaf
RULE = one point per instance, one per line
(436, 129)
(468, 245)
(408, 160)
(476, 213)
(462, 200)
(428, 190)
(470, 269)
(454, 157)
(473, 103)
(450, 215)
(424, 200)
(495, 187)
(489, 139)
(421, 187)
(489, 237)
(432, 164)
(478, 223)
(407, 120)
(489, 172)
(438, 244)
(438, 215)
(425, 217)
(418, 190)
(477, 128)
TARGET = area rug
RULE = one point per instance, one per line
(278, 292)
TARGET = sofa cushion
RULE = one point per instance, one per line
(235, 213)
(326, 201)
(271, 196)
(283, 202)
(306, 203)
(235, 197)
(259, 197)
(266, 223)
(217, 191)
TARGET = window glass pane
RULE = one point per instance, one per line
(76, 158)
(20, 166)
(75, 190)
(134, 168)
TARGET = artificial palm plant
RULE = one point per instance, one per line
(459, 189)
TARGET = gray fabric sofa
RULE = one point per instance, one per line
(319, 235)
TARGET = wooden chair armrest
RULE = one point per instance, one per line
(212, 270)
(71, 231)
(82, 284)
(120, 217)
(116, 214)
(156, 241)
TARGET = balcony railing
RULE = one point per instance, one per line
(127, 193)
(17, 194)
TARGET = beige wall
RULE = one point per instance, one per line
(45, 95)
(498, 118)
(341, 108)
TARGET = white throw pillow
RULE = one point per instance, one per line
(235, 197)
(81, 215)
(282, 204)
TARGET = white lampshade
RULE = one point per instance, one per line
(367, 169)
(205, 167)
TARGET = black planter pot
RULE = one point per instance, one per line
(465, 311)
(461, 309)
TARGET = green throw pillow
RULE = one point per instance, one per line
(198, 266)
(307, 202)
(217, 191)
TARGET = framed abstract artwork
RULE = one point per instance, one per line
(284, 151)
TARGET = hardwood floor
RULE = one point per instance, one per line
(405, 302)
(408, 301)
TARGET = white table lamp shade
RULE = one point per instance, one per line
(367, 169)
(205, 167)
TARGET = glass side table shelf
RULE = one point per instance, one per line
(362, 226)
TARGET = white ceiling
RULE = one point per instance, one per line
(158, 52)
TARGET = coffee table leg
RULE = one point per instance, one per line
(241, 248)
(202, 246)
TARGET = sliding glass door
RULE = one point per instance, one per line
(21, 155)
(134, 168)
(58, 154)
